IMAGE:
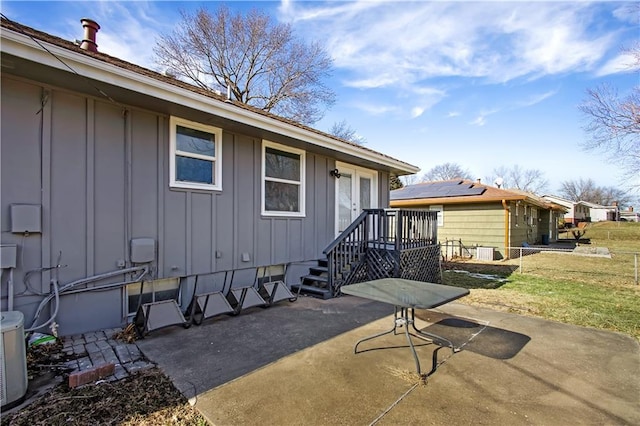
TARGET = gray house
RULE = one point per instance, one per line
(121, 185)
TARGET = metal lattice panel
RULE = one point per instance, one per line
(381, 264)
(421, 264)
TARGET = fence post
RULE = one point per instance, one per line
(520, 259)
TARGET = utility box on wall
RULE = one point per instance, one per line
(8, 255)
(143, 250)
(26, 218)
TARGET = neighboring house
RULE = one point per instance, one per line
(583, 211)
(629, 215)
(577, 211)
(137, 184)
(480, 215)
(600, 213)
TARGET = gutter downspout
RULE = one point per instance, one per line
(506, 229)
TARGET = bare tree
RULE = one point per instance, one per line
(614, 126)
(260, 63)
(516, 177)
(578, 190)
(344, 131)
(587, 190)
(613, 120)
(446, 171)
(608, 195)
(409, 179)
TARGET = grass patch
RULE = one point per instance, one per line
(586, 291)
(585, 304)
(617, 236)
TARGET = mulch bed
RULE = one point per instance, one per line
(145, 398)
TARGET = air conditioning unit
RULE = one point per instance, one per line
(13, 358)
(484, 253)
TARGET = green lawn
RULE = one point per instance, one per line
(586, 291)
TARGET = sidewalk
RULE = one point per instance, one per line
(263, 367)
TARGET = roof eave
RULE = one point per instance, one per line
(20, 45)
(412, 202)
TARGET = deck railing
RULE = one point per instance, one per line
(372, 246)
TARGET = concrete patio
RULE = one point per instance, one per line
(293, 363)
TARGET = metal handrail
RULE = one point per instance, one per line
(388, 229)
(345, 234)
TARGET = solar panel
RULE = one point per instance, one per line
(437, 190)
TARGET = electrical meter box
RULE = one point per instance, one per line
(26, 218)
(143, 250)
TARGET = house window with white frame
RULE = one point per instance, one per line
(283, 185)
(195, 155)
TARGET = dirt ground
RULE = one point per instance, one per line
(146, 398)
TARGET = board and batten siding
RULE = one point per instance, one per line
(100, 172)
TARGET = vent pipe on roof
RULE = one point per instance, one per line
(91, 27)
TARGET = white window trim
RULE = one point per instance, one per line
(267, 144)
(217, 132)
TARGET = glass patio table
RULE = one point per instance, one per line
(406, 296)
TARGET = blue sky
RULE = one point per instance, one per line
(481, 84)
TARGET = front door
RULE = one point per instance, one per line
(356, 190)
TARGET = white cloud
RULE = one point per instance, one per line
(374, 109)
(623, 63)
(628, 12)
(535, 99)
(452, 114)
(416, 112)
(412, 41)
(481, 119)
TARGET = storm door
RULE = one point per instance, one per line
(356, 190)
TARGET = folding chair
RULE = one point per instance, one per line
(208, 305)
(274, 291)
(156, 315)
(243, 297)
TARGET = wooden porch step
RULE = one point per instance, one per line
(320, 279)
(312, 290)
(319, 270)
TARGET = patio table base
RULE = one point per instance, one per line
(405, 318)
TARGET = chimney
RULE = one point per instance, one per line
(478, 181)
(630, 208)
(91, 27)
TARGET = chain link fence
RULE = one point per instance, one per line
(611, 266)
(570, 261)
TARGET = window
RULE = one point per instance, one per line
(282, 180)
(195, 155)
(440, 209)
(152, 291)
(533, 216)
